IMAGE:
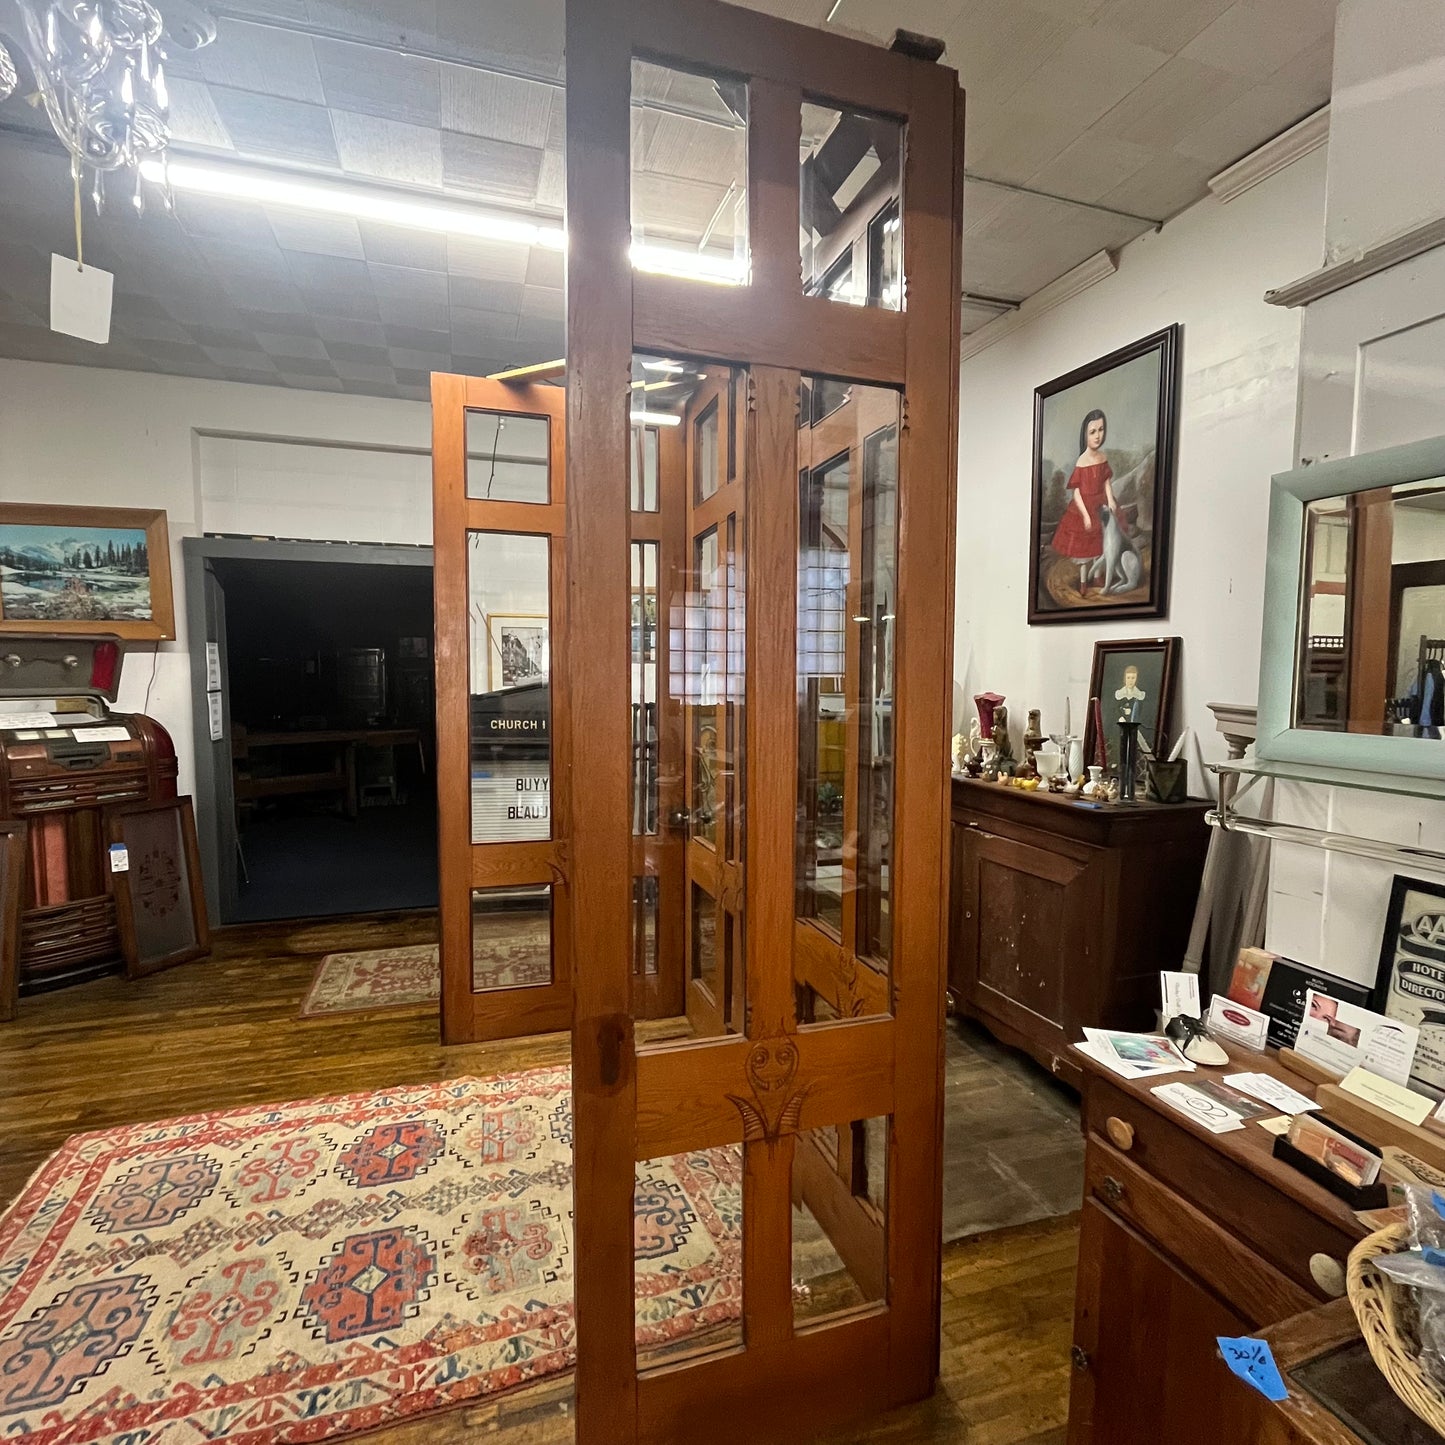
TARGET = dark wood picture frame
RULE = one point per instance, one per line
(161, 626)
(139, 963)
(1157, 719)
(1425, 1073)
(13, 840)
(1168, 344)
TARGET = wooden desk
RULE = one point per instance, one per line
(1186, 1236)
(1065, 911)
(342, 743)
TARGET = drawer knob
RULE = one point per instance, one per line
(1120, 1132)
(1329, 1274)
(1113, 1191)
(1080, 1358)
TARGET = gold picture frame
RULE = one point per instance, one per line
(85, 571)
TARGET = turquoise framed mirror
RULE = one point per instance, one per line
(1352, 662)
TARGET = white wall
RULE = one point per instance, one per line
(82, 435)
(1208, 269)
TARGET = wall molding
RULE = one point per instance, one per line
(1100, 265)
(1273, 156)
(1336, 275)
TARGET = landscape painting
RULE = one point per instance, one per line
(1103, 482)
(79, 569)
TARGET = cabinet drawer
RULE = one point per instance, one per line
(1272, 1224)
(1249, 1284)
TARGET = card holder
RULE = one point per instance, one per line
(1372, 1196)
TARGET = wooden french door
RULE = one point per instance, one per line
(499, 489)
(804, 624)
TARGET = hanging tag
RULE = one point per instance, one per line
(80, 299)
(1253, 1361)
(119, 858)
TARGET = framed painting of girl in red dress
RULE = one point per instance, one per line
(1103, 485)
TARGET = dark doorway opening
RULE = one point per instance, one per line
(332, 736)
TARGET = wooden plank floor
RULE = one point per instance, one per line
(225, 1033)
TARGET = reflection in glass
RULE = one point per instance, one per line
(689, 174)
(847, 604)
(704, 454)
(687, 1259)
(840, 1209)
(645, 737)
(510, 685)
(644, 927)
(511, 937)
(507, 457)
(707, 641)
(851, 179)
(644, 468)
(1371, 629)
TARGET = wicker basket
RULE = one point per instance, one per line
(1387, 1321)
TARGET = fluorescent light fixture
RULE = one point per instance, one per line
(655, 418)
(693, 265)
(671, 367)
(421, 213)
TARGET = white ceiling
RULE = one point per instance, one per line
(1128, 105)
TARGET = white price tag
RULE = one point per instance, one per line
(119, 858)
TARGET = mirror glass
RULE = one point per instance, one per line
(1371, 626)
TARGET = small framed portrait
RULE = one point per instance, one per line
(85, 570)
(1133, 679)
(1410, 983)
(518, 649)
(1103, 485)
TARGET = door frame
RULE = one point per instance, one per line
(214, 791)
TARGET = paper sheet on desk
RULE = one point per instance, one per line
(1102, 1055)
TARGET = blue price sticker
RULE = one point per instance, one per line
(1253, 1362)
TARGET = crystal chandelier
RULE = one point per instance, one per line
(99, 71)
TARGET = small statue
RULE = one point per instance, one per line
(1033, 736)
(1003, 749)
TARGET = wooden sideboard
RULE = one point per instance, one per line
(1187, 1236)
(1063, 912)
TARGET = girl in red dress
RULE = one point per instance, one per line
(1079, 535)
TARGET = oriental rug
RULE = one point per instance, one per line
(375, 979)
(318, 1269)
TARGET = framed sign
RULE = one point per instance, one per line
(85, 570)
(518, 648)
(155, 874)
(1410, 984)
(1103, 485)
(12, 894)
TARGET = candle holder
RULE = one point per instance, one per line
(1128, 759)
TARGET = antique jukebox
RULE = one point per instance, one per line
(66, 761)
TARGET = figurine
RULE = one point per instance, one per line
(960, 745)
(1033, 736)
(1096, 787)
(986, 702)
(1003, 748)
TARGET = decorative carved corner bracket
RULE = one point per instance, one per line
(776, 1105)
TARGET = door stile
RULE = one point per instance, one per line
(772, 786)
(599, 332)
(927, 500)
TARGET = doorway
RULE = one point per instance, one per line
(315, 738)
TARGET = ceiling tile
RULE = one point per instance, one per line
(394, 22)
(501, 107)
(402, 246)
(490, 167)
(1179, 96)
(1092, 165)
(378, 373)
(357, 355)
(240, 359)
(388, 150)
(1255, 38)
(525, 34)
(1163, 26)
(416, 338)
(1091, 73)
(315, 232)
(546, 267)
(544, 303)
(311, 382)
(207, 218)
(996, 45)
(486, 260)
(376, 82)
(263, 59)
(284, 344)
(311, 271)
(195, 120)
(338, 329)
(288, 324)
(406, 283)
(269, 128)
(1261, 112)
(552, 181)
(394, 311)
(481, 295)
(1168, 184)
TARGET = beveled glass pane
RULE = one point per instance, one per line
(689, 174)
(688, 1254)
(644, 927)
(840, 1215)
(507, 457)
(707, 638)
(847, 605)
(644, 468)
(645, 755)
(511, 937)
(851, 182)
(510, 684)
(705, 454)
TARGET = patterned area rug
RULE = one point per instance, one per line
(318, 1269)
(387, 978)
